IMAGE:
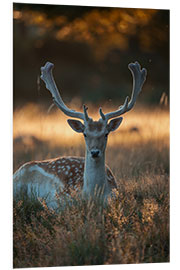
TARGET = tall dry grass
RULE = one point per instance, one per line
(134, 228)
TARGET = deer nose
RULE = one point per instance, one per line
(95, 153)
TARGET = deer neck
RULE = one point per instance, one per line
(94, 175)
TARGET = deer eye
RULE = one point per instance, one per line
(106, 135)
(85, 135)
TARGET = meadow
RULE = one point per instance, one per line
(133, 228)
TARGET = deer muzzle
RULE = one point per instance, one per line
(95, 153)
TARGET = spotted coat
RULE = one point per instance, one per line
(69, 171)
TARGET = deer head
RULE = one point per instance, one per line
(95, 132)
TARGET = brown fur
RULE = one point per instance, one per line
(55, 165)
(95, 125)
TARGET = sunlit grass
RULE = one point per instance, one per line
(138, 126)
(134, 228)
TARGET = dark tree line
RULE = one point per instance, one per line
(91, 48)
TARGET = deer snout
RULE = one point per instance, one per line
(95, 153)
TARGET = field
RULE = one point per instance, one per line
(134, 228)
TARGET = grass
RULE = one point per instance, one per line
(134, 228)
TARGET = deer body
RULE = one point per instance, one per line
(90, 174)
(48, 177)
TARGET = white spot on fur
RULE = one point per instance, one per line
(42, 183)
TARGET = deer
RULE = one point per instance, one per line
(89, 173)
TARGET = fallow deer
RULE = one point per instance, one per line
(90, 173)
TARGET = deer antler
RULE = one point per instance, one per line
(139, 77)
(47, 77)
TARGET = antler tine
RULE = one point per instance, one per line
(47, 77)
(85, 108)
(139, 77)
(102, 114)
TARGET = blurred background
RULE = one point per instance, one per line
(91, 48)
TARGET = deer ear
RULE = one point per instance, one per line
(76, 125)
(114, 124)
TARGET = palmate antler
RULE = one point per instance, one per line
(139, 77)
(47, 77)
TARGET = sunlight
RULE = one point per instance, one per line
(92, 28)
(141, 125)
